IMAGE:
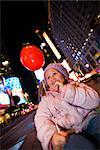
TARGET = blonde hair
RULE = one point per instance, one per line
(42, 90)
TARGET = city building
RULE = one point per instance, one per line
(74, 27)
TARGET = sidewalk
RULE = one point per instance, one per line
(22, 131)
(30, 142)
(5, 128)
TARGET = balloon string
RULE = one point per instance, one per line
(57, 127)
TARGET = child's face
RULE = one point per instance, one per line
(52, 76)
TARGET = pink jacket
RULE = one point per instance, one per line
(72, 108)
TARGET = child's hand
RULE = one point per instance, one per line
(64, 133)
(67, 133)
(59, 86)
(58, 141)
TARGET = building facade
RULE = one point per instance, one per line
(74, 27)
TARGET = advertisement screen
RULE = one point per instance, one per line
(4, 99)
(13, 83)
(39, 74)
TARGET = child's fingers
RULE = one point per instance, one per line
(59, 85)
(63, 133)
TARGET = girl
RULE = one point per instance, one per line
(65, 111)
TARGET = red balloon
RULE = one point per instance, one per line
(32, 57)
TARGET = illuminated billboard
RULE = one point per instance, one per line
(4, 99)
(13, 83)
(39, 74)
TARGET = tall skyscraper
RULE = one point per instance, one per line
(76, 30)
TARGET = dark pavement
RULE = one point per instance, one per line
(20, 135)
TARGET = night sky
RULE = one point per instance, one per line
(18, 21)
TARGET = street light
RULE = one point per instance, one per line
(5, 63)
(55, 51)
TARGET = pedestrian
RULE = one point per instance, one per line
(66, 118)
